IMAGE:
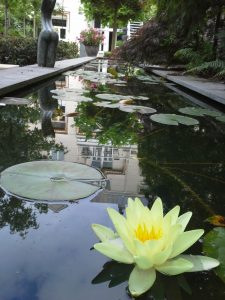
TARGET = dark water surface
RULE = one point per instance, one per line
(45, 251)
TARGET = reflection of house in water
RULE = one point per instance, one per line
(57, 207)
(119, 164)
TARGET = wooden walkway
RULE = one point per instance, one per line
(12, 79)
(210, 89)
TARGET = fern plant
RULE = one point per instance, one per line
(189, 56)
(215, 68)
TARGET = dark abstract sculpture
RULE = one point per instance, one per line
(48, 38)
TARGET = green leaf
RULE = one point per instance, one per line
(115, 97)
(113, 272)
(221, 119)
(198, 111)
(136, 108)
(214, 246)
(173, 119)
(51, 180)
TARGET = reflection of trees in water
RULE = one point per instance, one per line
(18, 142)
(107, 125)
(184, 164)
(19, 215)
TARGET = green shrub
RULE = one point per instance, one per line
(18, 51)
(23, 51)
(66, 50)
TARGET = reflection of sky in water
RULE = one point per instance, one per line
(55, 261)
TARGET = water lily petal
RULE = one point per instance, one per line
(142, 257)
(175, 266)
(172, 215)
(162, 256)
(141, 280)
(103, 233)
(157, 210)
(201, 263)
(184, 219)
(119, 223)
(115, 249)
(185, 240)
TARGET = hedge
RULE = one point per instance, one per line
(23, 51)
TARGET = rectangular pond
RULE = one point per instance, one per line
(149, 139)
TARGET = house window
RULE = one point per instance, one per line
(59, 22)
(62, 33)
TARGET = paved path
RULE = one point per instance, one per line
(12, 79)
(210, 89)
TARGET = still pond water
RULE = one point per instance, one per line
(46, 249)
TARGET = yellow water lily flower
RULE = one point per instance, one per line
(152, 242)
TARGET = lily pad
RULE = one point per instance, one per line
(198, 111)
(214, 246)
(75, 98)
(107, 104)
(111, 97)
(67, 91)
(120, 84)
(173, 119)
(115, 97)
(14, 101)
(148, 78)
(51, 180)
(221, 118)
(136, 108)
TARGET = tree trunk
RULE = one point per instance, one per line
(6, 25)
(34, 26)
(24, 26)
(216, 31)
(114, 35)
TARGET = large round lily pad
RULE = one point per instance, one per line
(173, 119)
(51, 180)
(198, 111)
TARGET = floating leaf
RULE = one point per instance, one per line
(115, 97)
(221, 118)
(214, 246)
(51, 180)
(68, 91)
(136, 108)
(71, 97)
(198, 111)
(13, 101)
(120, 84)
(107, 104)
(148, 78)
(112, 97)
(173, 119)
(150, 82)
(113, 272)
(217, 220)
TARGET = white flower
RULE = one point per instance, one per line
(152, 242)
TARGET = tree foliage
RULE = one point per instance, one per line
(113, 12)
(195, 25)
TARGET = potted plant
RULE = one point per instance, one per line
(91, 38)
